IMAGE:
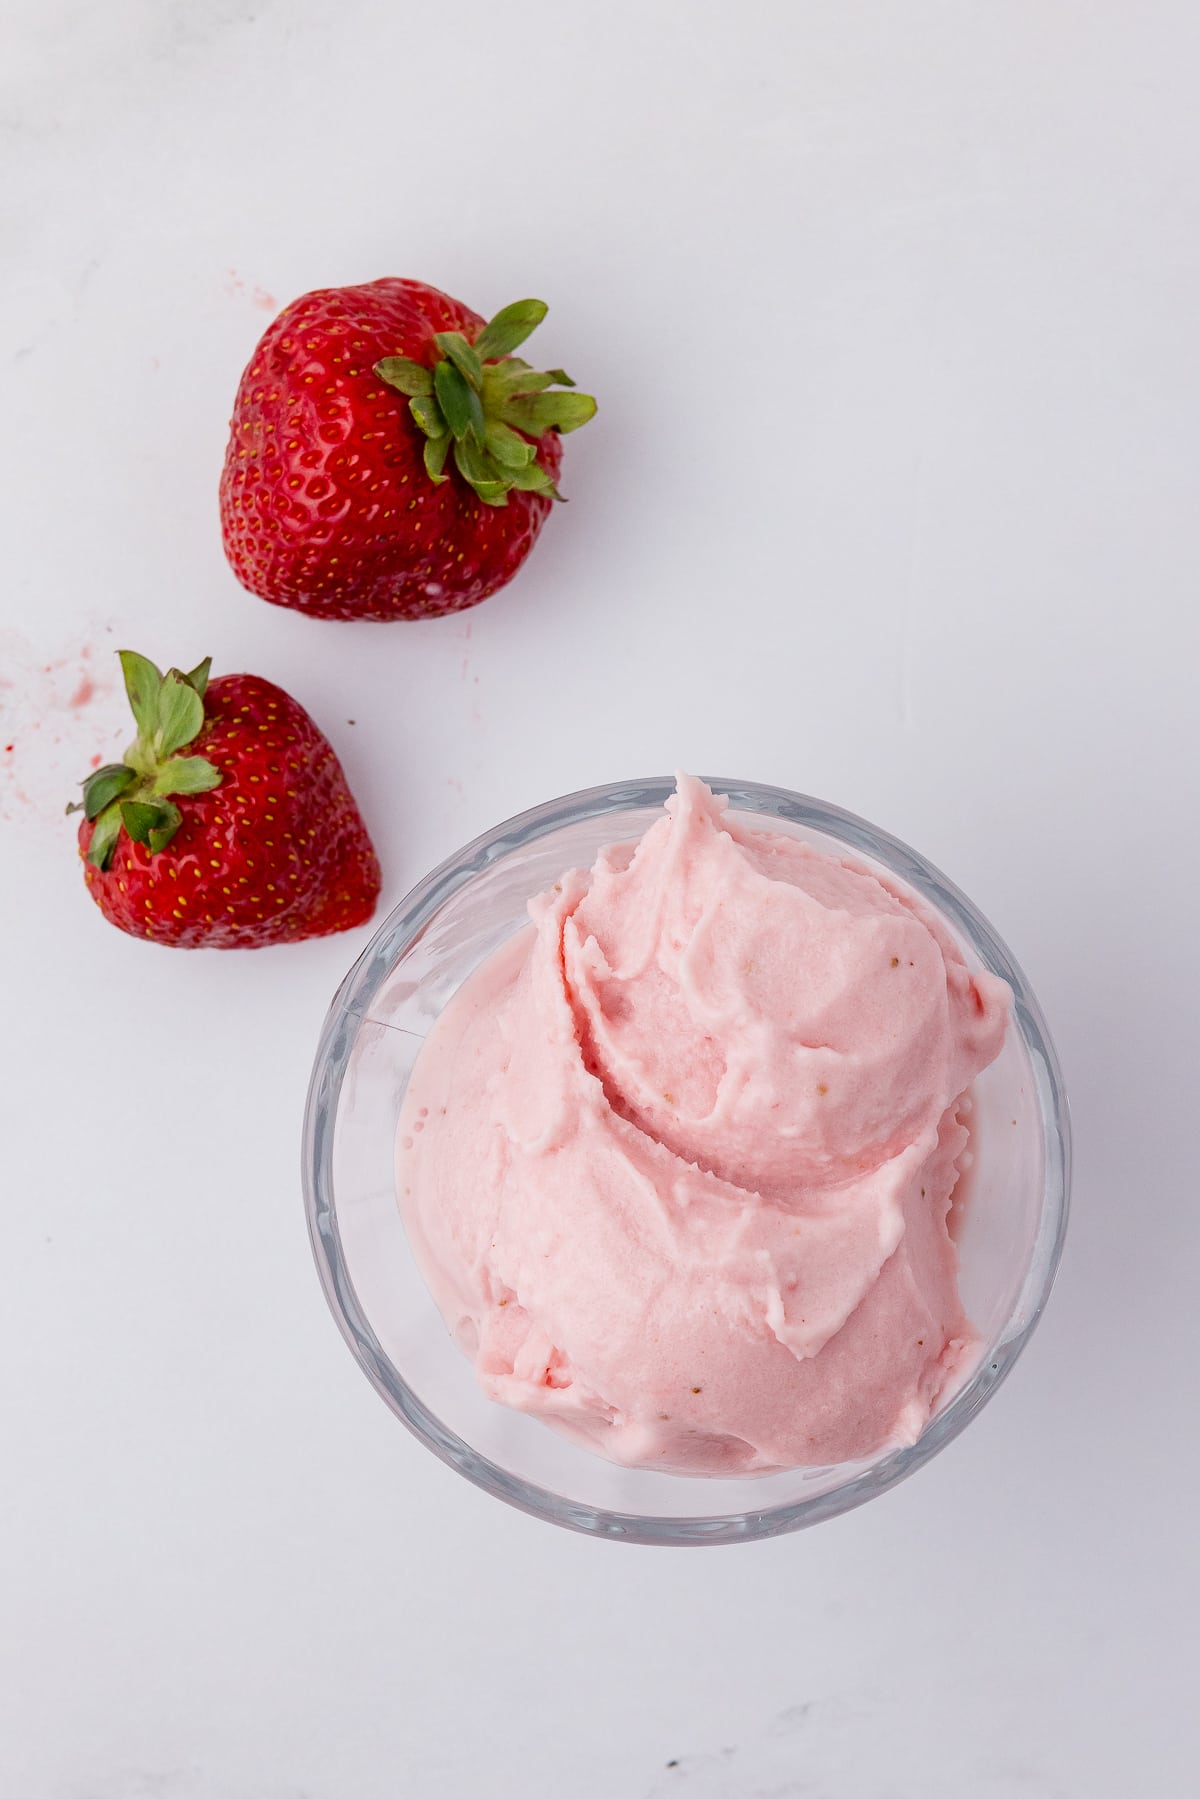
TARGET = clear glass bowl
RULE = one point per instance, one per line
(1009, 1245)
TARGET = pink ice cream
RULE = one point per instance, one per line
(677, 1161)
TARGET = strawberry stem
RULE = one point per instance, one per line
(132, 795)
(489, 406)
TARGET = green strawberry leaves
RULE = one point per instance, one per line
(506, 447)
(510, 327)
(436, 450)
(459, 401)
(104, 837)
(169, 708)
(197, 678)
(533, 479)
(132, 795)
(410, 377)
(489, 406)
(474, 467)
(537, 413)
(463, 355)
(102, 786)
(142, 684)
(180, 714)
(427, 413)
(186, 774)
(151, 823)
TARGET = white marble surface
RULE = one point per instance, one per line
(892, 312)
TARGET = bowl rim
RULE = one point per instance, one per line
(349, 1009)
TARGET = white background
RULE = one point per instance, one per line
(892, 312)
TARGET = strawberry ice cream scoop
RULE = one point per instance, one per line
(677, 1161)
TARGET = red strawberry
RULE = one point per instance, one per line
(268, 845)
(388, 456)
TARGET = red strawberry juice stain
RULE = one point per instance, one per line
(51, 729)
(236, 289)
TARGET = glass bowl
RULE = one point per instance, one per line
(1009, 1243)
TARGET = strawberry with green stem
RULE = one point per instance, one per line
(251, 837)
(389, 455)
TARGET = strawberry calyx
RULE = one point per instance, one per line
(134, 794)
(487, 408)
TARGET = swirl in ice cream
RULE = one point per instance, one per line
(677, 1161)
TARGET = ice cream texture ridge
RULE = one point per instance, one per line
(677, 1161)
